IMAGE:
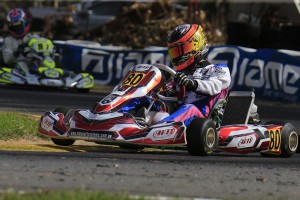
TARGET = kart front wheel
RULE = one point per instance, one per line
(202, 137)
(289, 139)
(62, 142)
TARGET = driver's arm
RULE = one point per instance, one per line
(7, 49)
(211, 82)
(220, 79)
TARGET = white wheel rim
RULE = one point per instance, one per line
(210, 138)
(293, 141)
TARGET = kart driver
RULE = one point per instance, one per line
(13, 44)
(205, 83)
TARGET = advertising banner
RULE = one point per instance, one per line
(273, 74)
(108, 64)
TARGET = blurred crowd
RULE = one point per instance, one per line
(53, 25)
(139, 25)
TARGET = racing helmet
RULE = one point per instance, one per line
(18, 23)
(187, 45)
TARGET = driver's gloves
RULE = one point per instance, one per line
(182, 80)
(19, 50)
(170, 91)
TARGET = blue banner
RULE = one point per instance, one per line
(108, 64)
(274, 75)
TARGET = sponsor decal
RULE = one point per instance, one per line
(119, 93)
(165, 133)
(52, 73)
(142, 67)
(108, 99)
(92, 116)
(47, 123)
(76, 133)
(275, 140)
(246, 141)
(6, 76)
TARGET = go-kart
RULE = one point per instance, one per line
(43, 70)
(226, 128)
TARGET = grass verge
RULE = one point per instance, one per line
(65, 195)
(16, 125)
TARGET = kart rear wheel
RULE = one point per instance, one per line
(62, 142)
(202, 137)
(289, 139)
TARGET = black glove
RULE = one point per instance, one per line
(170, 91)
(19, 50)
(182, 80)
(191, 85)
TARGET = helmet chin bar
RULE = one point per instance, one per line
(201, 54)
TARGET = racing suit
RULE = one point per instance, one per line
(12, 49)
(213, 84)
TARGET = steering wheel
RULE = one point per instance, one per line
(172, 72)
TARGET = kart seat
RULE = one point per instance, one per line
(141, 113)
(238, 107)
(218, 105)
(217, 112)
(149, 117)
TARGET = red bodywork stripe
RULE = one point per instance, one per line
(225, 131)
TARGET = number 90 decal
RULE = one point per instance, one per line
(134, 79)
(275, 140)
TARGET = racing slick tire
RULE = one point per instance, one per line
(62, 142)
(289, 139)
(202, 137)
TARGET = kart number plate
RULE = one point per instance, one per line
(134, 79)
(52, 73)
(275, 140)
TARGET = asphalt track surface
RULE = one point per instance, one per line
(171, 173)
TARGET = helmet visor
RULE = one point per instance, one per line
(178, 52)
(17, 27)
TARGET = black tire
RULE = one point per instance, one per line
(298, 149)
(62, 142)
(202, 137)
(289, 139)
